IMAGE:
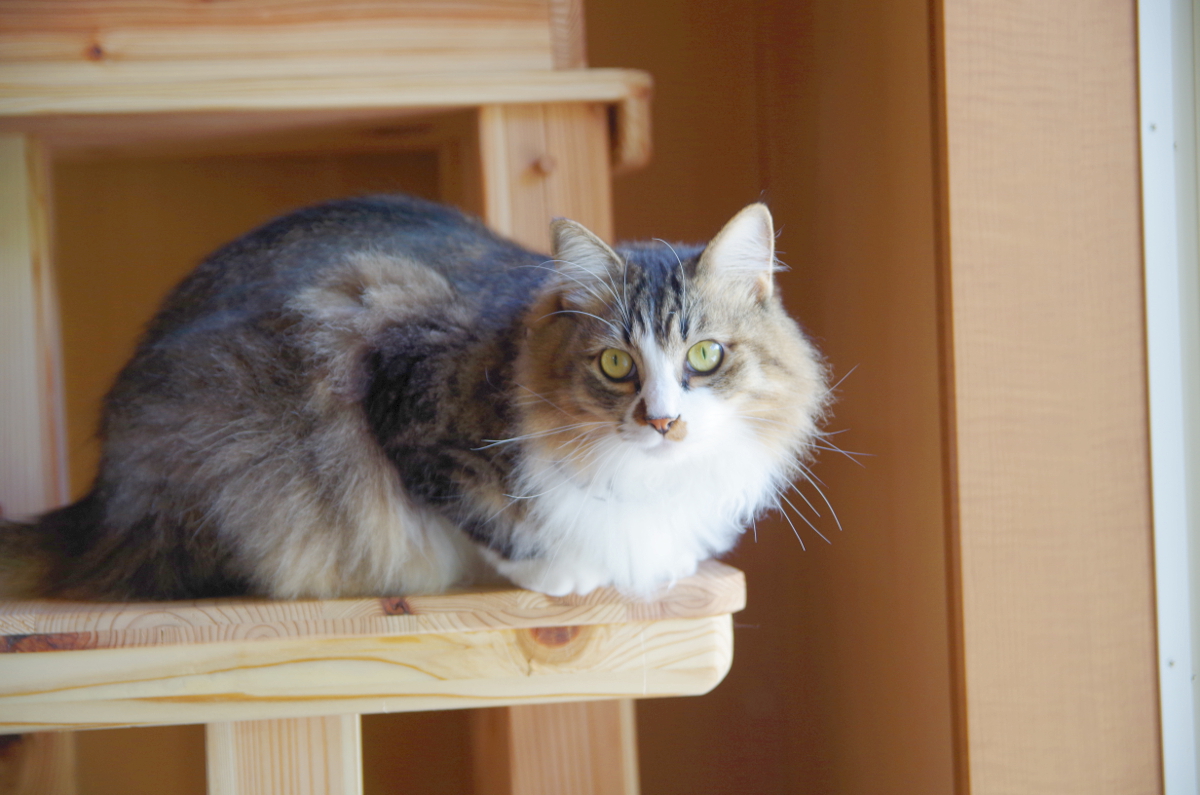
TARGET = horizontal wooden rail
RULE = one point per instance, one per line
(77, 665)
(33, 95)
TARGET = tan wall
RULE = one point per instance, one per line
(841, 681)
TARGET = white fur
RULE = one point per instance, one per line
(640, 510)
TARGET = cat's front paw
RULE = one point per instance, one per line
(552, 579)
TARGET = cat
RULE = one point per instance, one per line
(382, 396)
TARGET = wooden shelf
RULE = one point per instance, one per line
(69, 665)
(132, 99)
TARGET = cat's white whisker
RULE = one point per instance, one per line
(536, 435)
(813, 480)
(545, 399)
(804, 518)
(803, 548)
(806, 500)
(608, 323)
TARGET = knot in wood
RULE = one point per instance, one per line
(545, 165)
(554, 636)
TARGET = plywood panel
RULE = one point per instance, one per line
(841, 682)
(1049, 386)
(117, 257)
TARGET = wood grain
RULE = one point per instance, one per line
(81, 39)
(538, 162)
(1048, 379)
(38, 764)
(28, 626)
(298, 756)
(203, 683)
(541, 162)
(32, 460)
(136, 88)
(568, 37)
(586, 748)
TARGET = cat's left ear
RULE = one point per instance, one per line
(585, 261)
(744, 251)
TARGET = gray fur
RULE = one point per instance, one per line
(309, 415)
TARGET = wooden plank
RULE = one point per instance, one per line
(541, 162)
(299, 756)
(84, 38)
(586, 748)
(203, 683)
(38, 764)
(568, 34)
(138, 88)
(1048, 379)
(33, 626)
(32, 460)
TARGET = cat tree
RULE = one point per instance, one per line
(496, 96)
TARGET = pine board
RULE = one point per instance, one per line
(286, 678)
(44, 626)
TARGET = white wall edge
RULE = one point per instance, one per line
(1159, 58)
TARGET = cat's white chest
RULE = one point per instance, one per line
(641, 519)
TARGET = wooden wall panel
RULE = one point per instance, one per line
(158, 218)
(86, 40)
(841, 676)
(1054, 528)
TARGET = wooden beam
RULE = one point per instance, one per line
(32, 460)
(84, 40)
(540, 162)
(1047, 374)
(544, 161)
(65, 665)
(299, 756)
(42, 763)
(584, 748)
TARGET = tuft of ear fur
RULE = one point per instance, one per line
(584, 262)
(744, 250)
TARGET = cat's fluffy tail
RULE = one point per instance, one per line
(29, 550)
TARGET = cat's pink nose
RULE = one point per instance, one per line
(661, 424)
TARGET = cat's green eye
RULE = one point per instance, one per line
(703, 357)
(616, 364)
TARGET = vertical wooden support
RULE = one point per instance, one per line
(539, 162)
(544, 161)
(32, 459)
(299, 756)
(38, 764)
(584, 748)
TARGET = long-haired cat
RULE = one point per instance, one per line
(380, 395)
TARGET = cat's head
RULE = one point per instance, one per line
(663, 353)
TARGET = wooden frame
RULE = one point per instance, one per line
(84, 76)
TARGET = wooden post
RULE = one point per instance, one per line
(32, 459)
(300, 756)
(540, 162)
(32, 463)
(582, 748)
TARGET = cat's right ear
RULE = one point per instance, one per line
(585, 263)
